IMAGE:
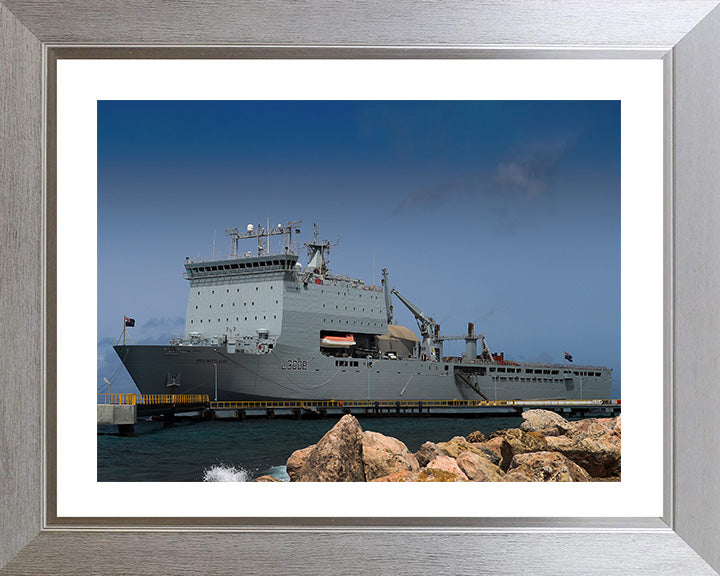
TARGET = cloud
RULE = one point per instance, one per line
(528, 171)
(532, 170)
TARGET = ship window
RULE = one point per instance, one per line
(191, 321)
(210, 305)
(222, 305)
(196, 307)
(274, 315)
(276, 262)
(200, 321)
(501, 369)
(276, 301)
(213, 291)
(256, 288)
(492, 369)
(255, 317)
(234, 266)
(242, 265)
(255, 264)
(228, 290)
(233, 303)
(198, 293)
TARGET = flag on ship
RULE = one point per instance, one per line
(568, 357)
(130, 322)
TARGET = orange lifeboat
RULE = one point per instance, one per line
(337, 341)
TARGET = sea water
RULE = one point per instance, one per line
(239, 451)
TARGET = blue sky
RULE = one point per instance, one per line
(505, 214)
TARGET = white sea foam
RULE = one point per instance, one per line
(222, 473)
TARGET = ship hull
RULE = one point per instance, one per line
(295, 373)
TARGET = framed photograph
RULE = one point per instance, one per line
(432, 181)
(658, 62)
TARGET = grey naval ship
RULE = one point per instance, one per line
(261, 326)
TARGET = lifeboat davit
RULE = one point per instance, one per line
(337, 341)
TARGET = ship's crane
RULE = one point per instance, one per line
(429, 330)
(432, 343)
(471, 344)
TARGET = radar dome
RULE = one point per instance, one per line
(250, 227)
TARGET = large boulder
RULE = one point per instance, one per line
(456, 446)
(478, 468)
(589, 428)
(476, 436)
(517, 441)
(598, 454)
(427, 453)
(491, 449)
(547, 467)
(384, 455)
(447, 464)
(337, 457)
(297, 461)
(545, 422)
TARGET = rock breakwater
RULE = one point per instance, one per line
(546, 448)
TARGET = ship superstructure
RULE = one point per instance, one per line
(265, 326)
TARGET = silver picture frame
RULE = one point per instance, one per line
(684, 34)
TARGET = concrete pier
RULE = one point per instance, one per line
(123, 416)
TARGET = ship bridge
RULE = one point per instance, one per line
(240, 266)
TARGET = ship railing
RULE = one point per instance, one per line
(356, 282)
(146, 399)
(512, 363)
